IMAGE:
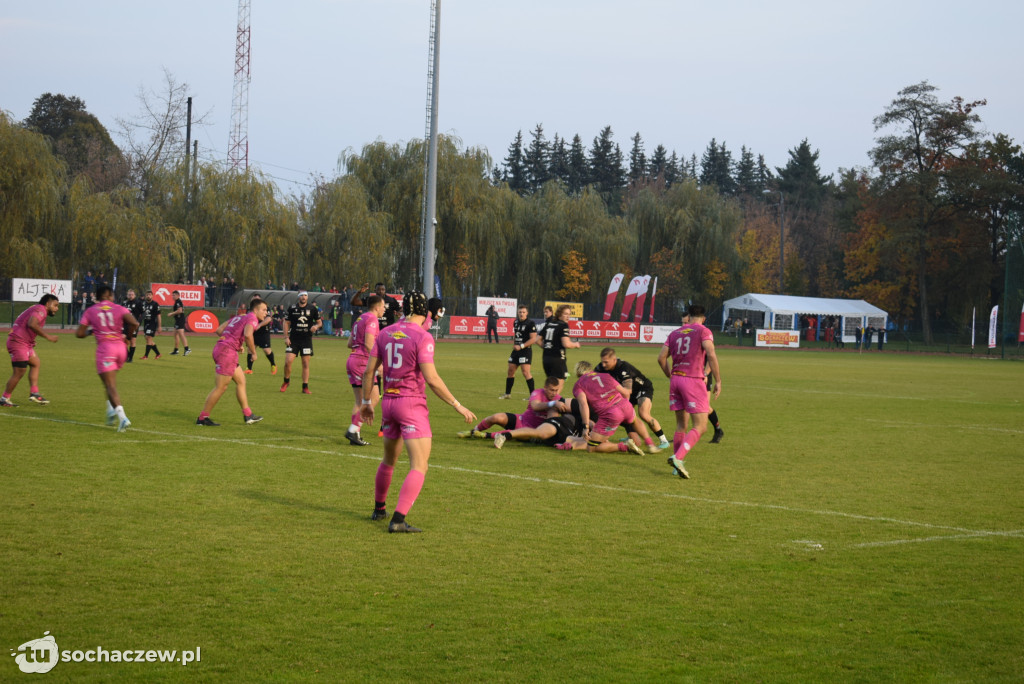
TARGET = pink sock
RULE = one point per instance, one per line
(689, 441)
(247, 412)
(410, 490)
(356, 420)
(34, 389)
(623, 447)
(481, 427)
(382, 482)
(649, 441)
(7, 395)
(203, 415)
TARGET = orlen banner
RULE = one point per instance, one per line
(789, 339)
(191, 295)
(200, 320)
(506, 308)
(477, 325)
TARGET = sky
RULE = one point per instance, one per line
(330, 76)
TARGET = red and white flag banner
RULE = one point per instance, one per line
(631, 293)
(613, 292)
(654, 291)
(638, 317)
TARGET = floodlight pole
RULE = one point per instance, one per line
(430, 196)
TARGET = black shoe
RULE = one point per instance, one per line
(174, 353)
(355, 440)
(402, 527)
(251, 418)
(719, 433)
(379, 514)
(206, 421)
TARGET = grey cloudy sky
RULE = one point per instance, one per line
(331, 75)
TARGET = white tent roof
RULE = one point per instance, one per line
(785, 304)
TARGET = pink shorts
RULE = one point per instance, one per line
(609, 421)
(405, 418)
(225, 360)
(688, 394)
(356, 366)
(19, 351)
(110, 356)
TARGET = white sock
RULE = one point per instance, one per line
(354, 428)
(110, 407)
(120, 413)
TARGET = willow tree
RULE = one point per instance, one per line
(31, 184)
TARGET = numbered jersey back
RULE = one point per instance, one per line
(402, 347)
(686, 345)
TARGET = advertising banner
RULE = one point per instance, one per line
(477, 325)
(993, 320)
(654, 291)
(655, 334)
(506, 308)
(201, 321)
(631, 292)
(33, 289)
(191, 295)
(613, 292)
(577, 308)
(783, 339)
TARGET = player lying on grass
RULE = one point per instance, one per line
(544, 403)
(553, 432)
(608, 401)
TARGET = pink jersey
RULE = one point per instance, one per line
(106, 320)
(402, 347)
(686, 347)
(367, 324)
(533, 418)
(601, 390)
(234, 332)
(21, 332)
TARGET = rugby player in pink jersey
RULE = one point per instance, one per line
(364, 334)
(233, 334)
(109, 322)
(602, 397)
(21, 345)
(406, 352)
(682, 359)
(544, 403)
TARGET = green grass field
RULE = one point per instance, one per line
(862, 521)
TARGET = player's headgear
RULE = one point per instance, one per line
(415, 304)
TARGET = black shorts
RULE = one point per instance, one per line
(130, 335)
(564, 426)
(646, 392)
(149, 330)
(179, 326)
(554, 367)
(522, 357)
(261, 337)
(302, 345)
(511, 420)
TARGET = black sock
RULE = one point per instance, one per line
(131, 353)
(174, 351)
(271, 357)
(305, 385)
(530, 385)
(508, 385)
(713, 417)
(660, 434)
(380, 505)
(287, 380)
(156, 350)
(249, 360)
(397, 517)
(148, 348)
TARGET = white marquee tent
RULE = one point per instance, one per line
(783, 312)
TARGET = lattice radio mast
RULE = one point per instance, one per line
(238, 143)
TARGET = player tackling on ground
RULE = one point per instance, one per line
(406, 352)
(682, 360)
(21, 345)
(108, 322)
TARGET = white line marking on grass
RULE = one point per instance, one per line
(896, 542)
(943, 426)
(965, 532)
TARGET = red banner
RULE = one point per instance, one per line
(477, 325)
(613, 292)
(587, 330)
(1020, 334)
(200, 321)
(191, 295)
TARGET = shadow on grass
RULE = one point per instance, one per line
(301, 505)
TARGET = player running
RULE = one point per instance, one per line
(682, 360)
(524, 338)
(406, 352)
(364, 334)
(21, 345)
(602, 397)
(178, 314)
(233, 334)
(108, 321)
(301, 321)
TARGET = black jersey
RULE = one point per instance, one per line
(150, 311)
(553, 333)
(179, 318)
(134, 307)
(392, 312)
(523, 331)
(626, 371)
(301, 319)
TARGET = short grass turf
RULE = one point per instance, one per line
(862, 521)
